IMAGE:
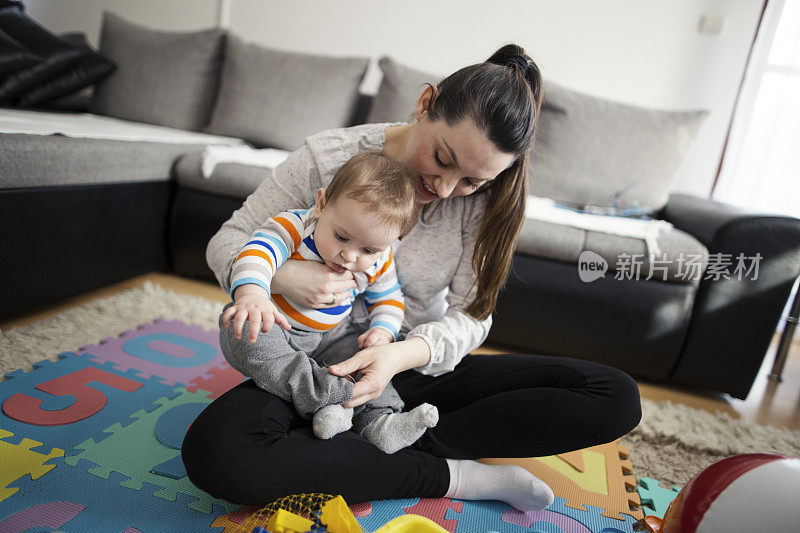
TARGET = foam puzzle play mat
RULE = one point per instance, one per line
(91, 442)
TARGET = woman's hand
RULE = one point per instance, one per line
(378, 365)
(312, 284)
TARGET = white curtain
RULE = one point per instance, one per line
(761, 168)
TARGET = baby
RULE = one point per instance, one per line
(368, 205)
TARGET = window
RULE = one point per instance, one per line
(761, 169)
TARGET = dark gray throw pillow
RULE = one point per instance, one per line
(90, 69)
(275, 98)
(53, 55)
(164, 78)
(14, 57)
(399, 91)
(588, 149)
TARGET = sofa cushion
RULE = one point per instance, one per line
(83, 149)
(164, 78)
(235, 180)
(589, 149)
(398, 93)
(72, 161)
(675, 260)
(275, 98)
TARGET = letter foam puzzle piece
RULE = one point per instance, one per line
(135, 450)
(600, 476)
(221, 381)
(78, 421)
(655, 498)
(107, 504)
(17, 460)
(233, 521)
(45, 515)
(382, 511)
(436, 509)
(172, 350)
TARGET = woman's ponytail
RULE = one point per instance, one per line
(503, 96)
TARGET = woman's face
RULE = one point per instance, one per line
(450, 161)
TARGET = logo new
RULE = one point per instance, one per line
(591, 266)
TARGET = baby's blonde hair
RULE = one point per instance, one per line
(381, 184)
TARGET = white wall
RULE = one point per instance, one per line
(645, 52)
(86, 15)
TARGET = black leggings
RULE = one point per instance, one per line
(251, 447)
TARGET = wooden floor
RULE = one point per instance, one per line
(769, 403)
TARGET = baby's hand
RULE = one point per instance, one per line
(251, 302)
(374, 337)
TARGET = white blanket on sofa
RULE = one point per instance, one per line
(89, 126)
(244, 155)
(546, 210)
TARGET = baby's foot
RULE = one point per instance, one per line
(332, 420)
(397, 430)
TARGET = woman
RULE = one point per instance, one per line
(468, 153)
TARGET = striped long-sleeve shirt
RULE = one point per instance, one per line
(290, 235)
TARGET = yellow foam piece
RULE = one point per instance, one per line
(593, 477)
(601, 476)
(17, 460)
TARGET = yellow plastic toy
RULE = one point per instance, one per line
(284, 521)
(301, 513)
(411, 523)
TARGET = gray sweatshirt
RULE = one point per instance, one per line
(434, 261)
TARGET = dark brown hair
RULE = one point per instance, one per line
(503, 97)
(381, 184)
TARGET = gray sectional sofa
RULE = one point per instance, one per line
(79, 212)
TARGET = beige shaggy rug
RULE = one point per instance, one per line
(672, 443)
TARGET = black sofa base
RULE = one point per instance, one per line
(637, 326)
(62, 241)
(196, 217)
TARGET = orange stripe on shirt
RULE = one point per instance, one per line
(388, 302)
(297, 255)
(383, 269)
(289, 227)
(295, 315)
(257, 253)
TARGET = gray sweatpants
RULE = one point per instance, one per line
(294, 366)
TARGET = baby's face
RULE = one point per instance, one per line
(349, 238)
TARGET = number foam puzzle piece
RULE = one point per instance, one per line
(173, 351)
(119, 403)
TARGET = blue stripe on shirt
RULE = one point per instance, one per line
(265, 244)
(279, 244)
(338, 310)
(370, 295)
(385, 325)
(309, 242)
(245, 281)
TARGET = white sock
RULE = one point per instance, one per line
(332, 420)
(471, 480)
